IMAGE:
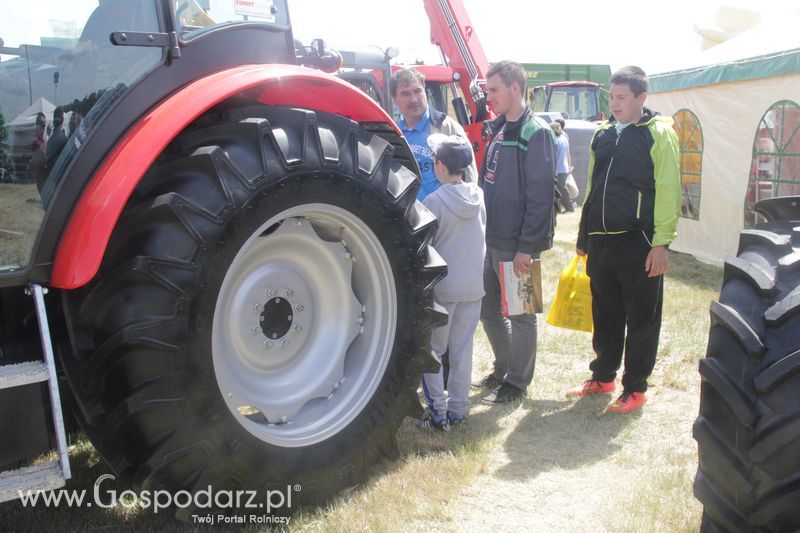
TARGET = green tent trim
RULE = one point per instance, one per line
(767, 66)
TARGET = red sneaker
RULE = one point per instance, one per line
(591, 386)
(627, 402)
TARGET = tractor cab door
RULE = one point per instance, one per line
(59, 72)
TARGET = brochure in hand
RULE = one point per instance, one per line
(520, 296)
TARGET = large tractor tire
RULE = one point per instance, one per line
(748, 431)
(264, 309)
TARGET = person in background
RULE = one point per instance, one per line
(75, 120)
(58, 139)
(36, 164)
(417, 121)
(563, 166)
(628, 220)
(460, 240)
(518, 181)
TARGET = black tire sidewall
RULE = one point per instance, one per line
(360, 435)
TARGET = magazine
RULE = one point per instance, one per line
(520, 296)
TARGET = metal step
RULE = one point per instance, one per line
(45, 476)
(38, 292)
(22, 374)
(53, 474)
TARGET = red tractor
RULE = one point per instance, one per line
(217, 249)
(456, 88)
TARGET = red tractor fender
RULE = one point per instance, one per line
(84, 241)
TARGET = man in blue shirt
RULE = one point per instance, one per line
(563, 165)
(418, 121)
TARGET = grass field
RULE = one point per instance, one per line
(549, 464)
(20, 217)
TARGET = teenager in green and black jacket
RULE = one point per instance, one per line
(628, 220)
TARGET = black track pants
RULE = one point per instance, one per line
(623, 296)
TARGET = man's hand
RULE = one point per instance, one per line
(579, 251)
(522, 264)
(657, 262)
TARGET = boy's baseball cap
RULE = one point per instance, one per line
(452, 150)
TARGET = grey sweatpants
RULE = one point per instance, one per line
(513, 339)
(457, 335)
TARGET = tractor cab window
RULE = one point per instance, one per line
(437, 95)
(59, 72)
(366, 83)
(537, 98)
(578, 102)
(194, 17)
(441, 98)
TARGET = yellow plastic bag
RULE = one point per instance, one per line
(572, 307)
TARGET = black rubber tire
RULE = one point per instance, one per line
(748, 430)
(150, 401)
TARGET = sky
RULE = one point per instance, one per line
(656, 36)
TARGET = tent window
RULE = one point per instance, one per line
(775, 169)
(690, 136)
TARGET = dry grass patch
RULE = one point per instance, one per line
(553, 464)
(547, 464)
(19, 222)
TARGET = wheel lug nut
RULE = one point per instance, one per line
(267, 345)
(284, 343)
(272, 293)
(297, 328)
(299, 308)
(289, 293)
(257, 308)
(254, 329)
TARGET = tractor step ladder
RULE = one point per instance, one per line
(53, 474)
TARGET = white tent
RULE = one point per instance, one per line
(28, 117)
(728, 99)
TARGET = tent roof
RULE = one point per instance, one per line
(770, 49)
(42, 105)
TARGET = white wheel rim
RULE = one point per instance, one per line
(299, 377)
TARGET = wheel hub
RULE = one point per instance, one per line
(276, 318)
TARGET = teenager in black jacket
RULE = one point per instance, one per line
(518, 181)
